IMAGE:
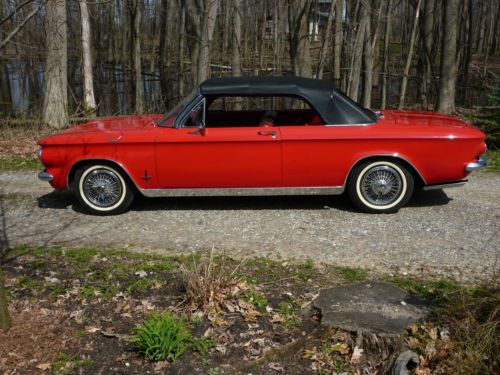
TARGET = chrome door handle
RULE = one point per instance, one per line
(271, 133)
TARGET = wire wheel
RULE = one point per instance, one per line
(102, 188)
(381, 185)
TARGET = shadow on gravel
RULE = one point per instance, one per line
(62, 200)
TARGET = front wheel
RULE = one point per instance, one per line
(380, 186)
(102, 190)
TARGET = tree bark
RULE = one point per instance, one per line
(236, 40)
(207, 32)
(387, 36)
(298, 18)
(88, 81)
(448, 68)
(5, 91)
(427, 41)
(326, 41)
(357, 53)
(136, 54)
(55, 106)
(337, 49)
(413, 36)
(182, 43)
(368, 62)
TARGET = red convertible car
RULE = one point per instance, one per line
(262, 136)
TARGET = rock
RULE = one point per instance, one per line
(377, 307)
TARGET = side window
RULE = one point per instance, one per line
(253, 111)
(196, 118)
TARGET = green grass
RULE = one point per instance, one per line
(257, 299)
(434, 290)
(351, 275)
(20, 164)
(493, 157)
(63, 358)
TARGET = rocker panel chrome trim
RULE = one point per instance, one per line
(240, 192)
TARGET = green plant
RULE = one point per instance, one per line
(488, 119)
(214, 371)
(162, 337)
(257, 299)
(352, 274)
(202, 344)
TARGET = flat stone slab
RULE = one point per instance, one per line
(370, 306)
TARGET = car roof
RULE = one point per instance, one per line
(332, 105)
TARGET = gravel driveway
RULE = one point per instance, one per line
(454, 231)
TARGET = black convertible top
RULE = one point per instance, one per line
(333, 106)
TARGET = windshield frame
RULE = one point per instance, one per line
(178, 109)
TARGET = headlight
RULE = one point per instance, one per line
(40, 153)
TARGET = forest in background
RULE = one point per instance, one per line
(62, 60)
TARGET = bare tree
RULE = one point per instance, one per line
(448, 69)
(298, 20)
(207, 33)
(387, 36)
(326, 41)
(409, 58)
(55, 106)
(88, 81)
(136, 10)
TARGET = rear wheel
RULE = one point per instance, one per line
(102, 190)
(380, 186)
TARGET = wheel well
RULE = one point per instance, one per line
(88, 162)
(419, 181)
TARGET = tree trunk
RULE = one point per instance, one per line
(165, 5)
(182, 43)
(326, 42)
(236, 40)
(5, 92)
(207, 32)
(357, 53)
(427, 41)
(136, 55)
(410, 57)
(387, 36)
(55, 106)
(448, 70)
(298, 17)
(368, 62)
(337, 49)
(88, 81)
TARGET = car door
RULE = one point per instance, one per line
(218, 157)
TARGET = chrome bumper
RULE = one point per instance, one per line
(480, 163)
(44, 176)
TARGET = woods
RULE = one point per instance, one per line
(62, 59)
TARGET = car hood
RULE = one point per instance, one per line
(104, 130)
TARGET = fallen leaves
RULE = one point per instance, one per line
(44, 366)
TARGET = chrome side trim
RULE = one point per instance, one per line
(365, 124)
(44, 176)
(395, 155)
(445, 186)
(218, 192)
(475, 165)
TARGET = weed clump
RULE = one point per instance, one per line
(162, 337)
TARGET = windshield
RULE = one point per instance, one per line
(169, 118)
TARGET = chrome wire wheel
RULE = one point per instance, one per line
(102, 188)
(381, 185)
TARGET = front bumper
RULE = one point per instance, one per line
(475, 165)
(44, 176)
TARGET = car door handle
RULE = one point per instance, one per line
(271, 133)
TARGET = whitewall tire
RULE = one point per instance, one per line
(380, 186)
(102, 190)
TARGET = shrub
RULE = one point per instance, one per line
(162, 337)
(210, 282)
(488, 119)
